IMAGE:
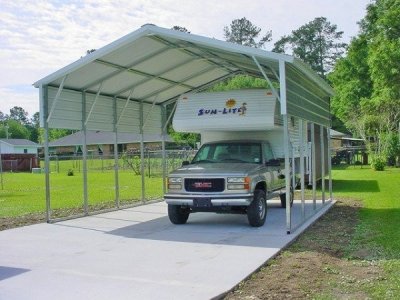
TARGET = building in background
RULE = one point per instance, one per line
(18, 146)
(347, 150)
(102, 143)
(18, 155)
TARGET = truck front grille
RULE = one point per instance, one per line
(204, 184)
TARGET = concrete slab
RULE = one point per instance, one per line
(137, 253)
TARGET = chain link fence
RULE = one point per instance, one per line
(67, 191)
(153, 162)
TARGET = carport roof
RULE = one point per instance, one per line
(156, 65)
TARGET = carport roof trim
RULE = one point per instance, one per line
(149, 29)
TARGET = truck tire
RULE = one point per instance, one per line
(177, 214)
(283, 198)
(257, 210)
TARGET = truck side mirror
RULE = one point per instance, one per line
(273, 163)
(185, 163)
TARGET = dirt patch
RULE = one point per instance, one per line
(29, 219)
(317, 265)
(60, 213)
(35, 218)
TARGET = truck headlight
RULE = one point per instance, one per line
(238, 183)
(174, 183)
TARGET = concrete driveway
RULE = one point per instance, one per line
(137, 253)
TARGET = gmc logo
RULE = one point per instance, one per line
(202, 185)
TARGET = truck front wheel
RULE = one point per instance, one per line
(257, 210)
(177, 214)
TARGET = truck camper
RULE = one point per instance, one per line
(241, 161)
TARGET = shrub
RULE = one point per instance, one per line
(132, 160)
(70, 172)
(378, 163)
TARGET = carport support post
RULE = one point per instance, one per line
(47, 173)
(84, 156)
(142, 151)
(293, 177)
(45, 99)
(313, 166)
(164, 133)
(116, 166)
(321, 134)
(301, 142)
(286, 142)
(328, 134)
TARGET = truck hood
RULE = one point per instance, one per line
(216, 168)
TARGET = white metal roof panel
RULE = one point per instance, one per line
(186, 70)
(134, 53)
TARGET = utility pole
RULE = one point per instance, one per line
(6, 127)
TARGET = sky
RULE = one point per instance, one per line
(39, 37)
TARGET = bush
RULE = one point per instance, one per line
(133, 161)
(378, 163)
(70, 172)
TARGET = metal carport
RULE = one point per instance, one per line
(126, 86)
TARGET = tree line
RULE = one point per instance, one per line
(18, 125)
(367, 82)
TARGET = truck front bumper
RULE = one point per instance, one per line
(216, 200)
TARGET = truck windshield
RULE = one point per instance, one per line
(229, 152)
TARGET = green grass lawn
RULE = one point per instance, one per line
(24, 193)
(380, 194)
(379, 228)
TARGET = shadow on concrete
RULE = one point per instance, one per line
(202, 228)
(209, 228)
(7, 272)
